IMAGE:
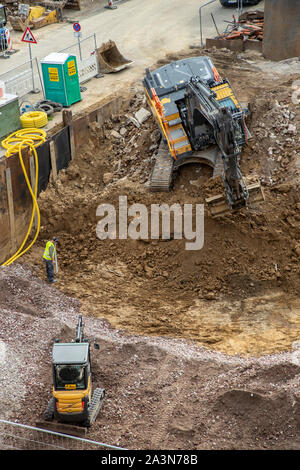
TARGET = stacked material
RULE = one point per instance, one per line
(250, 25)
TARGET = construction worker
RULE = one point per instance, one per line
(49, 257)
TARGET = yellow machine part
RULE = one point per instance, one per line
(70, 401)
(167, 130)
(47, 17)
(35, 12)
(225, 91)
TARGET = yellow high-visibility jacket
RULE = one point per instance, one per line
(49, 252)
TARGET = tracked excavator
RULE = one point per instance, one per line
(200, 120)
(72, 400)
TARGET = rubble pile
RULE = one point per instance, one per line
(250, 25)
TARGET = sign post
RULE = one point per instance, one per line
(78, 34)
(29, 38)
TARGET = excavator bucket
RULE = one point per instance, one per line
(218, 206)
(110, 59)
(17, 23)
(72, 430)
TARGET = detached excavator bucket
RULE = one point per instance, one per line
(110, 59)
(218, 206)
(17, 23)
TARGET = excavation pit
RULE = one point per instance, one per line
(239, 294)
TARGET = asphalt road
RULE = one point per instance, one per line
(144, 31)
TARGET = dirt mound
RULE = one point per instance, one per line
(253, 416)
(160, 393)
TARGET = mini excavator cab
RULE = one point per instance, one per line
(72, 400)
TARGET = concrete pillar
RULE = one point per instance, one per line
(282, 29)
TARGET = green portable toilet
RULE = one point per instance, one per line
(60, 77)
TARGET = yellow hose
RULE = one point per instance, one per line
(32, 135)
(34, 119)
(20, 251)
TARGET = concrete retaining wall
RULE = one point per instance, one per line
(282, 29)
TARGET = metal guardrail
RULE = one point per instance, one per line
(23, 79)
(200, 18)
(26, 77)
(17, 436)
(239, 12)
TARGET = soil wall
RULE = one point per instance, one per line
(53, 156)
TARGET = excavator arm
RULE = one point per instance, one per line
(206, 121)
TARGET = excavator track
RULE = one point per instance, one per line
(95, 405)
(162, 175)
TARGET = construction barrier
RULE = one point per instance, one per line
(5, 42)
(85, 51)
(23, 79)
(16, 436)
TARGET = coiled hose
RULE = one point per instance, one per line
(21, 145)
(32, 136)
(34, 119)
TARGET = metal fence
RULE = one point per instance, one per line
(85, 51)
(14, 436)
(23, 79)
(239, 5)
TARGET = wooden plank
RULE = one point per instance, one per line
(68, 121)
(232, 44)
(11, 210)
(53, 160)
(32, 179)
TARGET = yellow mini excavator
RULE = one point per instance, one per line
(200, 120)
(72, 400)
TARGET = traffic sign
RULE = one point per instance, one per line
(28, 37)
(76, 27)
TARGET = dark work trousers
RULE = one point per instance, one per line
(49, 270)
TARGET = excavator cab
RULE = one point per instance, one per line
(70, 376)
(72, 400)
